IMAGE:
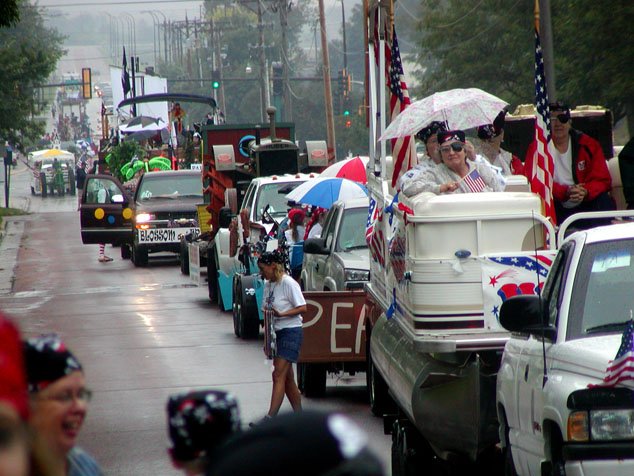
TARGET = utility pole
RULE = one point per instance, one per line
(264, 97)
(330, 123)
(287, 112)
(343, 27)
(546, 37)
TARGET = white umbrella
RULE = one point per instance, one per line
(459, 108)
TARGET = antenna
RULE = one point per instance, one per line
(541, 305)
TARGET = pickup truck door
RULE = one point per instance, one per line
(320, 266)
(530, 370)
(105, 211)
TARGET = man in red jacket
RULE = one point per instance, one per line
(582, 181)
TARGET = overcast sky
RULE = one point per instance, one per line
(176, 9)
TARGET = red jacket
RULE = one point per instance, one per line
(589, 167)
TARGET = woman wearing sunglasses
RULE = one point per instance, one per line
(455, 174)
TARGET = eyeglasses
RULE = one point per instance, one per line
(563, 118)
(455, 146)
(83, 395)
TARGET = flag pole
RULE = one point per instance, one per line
(546, 38)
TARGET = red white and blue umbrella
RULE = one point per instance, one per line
(352, 169)
(324, 191)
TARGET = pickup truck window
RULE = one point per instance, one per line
(350, 237)
(169, 187)
(602, 293)
(269, 194)
(330, 226)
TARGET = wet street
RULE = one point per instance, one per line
(140, 333)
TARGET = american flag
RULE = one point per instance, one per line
(622, 367)
(541, 176)
(403, 148)
(474, 181)
(125, 76)
(373, 232)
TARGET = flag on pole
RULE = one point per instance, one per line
(622, 367)
(125, 76)
(403, 148)
(474, 181)
(541, 175)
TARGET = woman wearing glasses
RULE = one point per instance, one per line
(59, 400)
(455, 174)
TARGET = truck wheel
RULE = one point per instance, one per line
(139, 255)
(380, 401)
(237, 298)
(43, 184)
(125, 251)
(248, 317)
(411, 455)
(212, 275)
(313, 377)
(183, 257)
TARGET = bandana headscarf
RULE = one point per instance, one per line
(200, 421)
(269, 257)
(433, 128)
(12, 376)
(446, 136)
(47, 360)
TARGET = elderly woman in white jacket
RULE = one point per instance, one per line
(455, 174)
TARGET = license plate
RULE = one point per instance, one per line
(165, 235)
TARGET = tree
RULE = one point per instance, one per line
(29, 53)
(9, 12)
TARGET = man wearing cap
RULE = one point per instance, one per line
(59, 401)
(199, 422)
(581, 181)
(428, 136)
(455, 174)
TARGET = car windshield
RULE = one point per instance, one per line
(602, 292)
(169, 186)
(352, 229)
(274, 195)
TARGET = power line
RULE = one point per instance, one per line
(122, 2)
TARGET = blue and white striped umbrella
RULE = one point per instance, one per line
(324, 191)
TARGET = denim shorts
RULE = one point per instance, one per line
(289, 341)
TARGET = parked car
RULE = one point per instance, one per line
(561, 410)
(339, 259)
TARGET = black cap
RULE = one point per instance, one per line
(309, 443)
(433, 128)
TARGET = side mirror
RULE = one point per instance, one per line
(316, 246)
(224, 217)
(526, 315)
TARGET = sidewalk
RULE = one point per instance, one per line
(10, 237)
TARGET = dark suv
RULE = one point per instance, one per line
(162, 210)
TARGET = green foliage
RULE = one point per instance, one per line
(122, 154)
(490, 45)
(9, 12)
(29, 53)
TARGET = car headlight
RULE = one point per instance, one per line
(601, 425)
(612, 424)
(144, 218)
(356, 275)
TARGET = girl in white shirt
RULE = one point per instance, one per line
(283, 296)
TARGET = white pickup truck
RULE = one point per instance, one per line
(556, 413)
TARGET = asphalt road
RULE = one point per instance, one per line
(140, 333)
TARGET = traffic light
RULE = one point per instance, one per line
(215, 79)
(346, 105)
(348, 123)
(86, 83)
(278, 70)
(347, 86)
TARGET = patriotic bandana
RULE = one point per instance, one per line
(269, 257)
(434, 128)
(12, 377)
(200, 421)
(47, 360)
(453, 136)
